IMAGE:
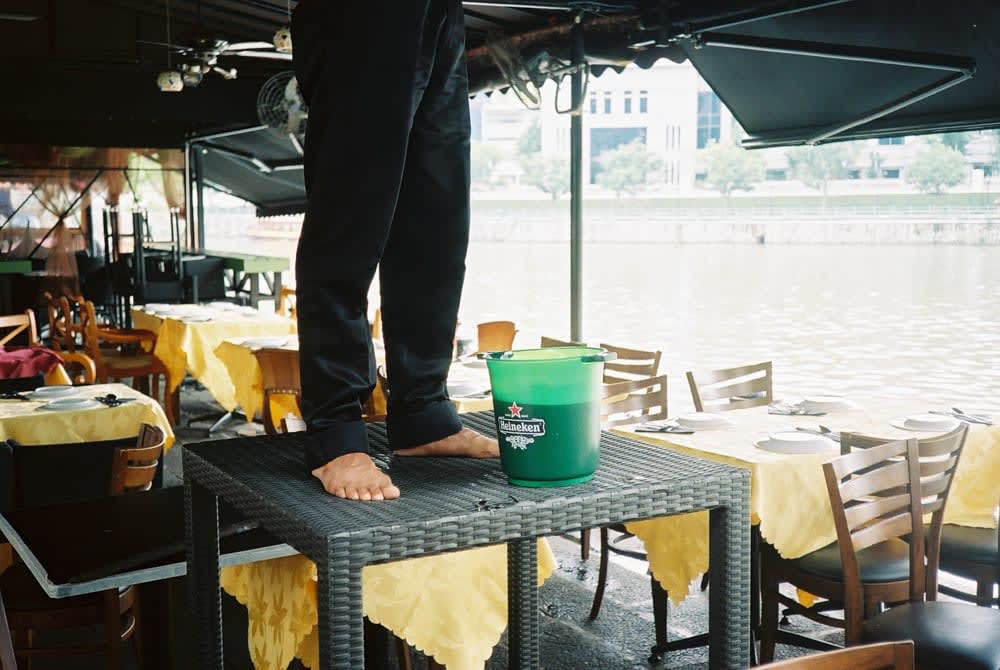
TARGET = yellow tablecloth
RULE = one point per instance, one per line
(788, 493)
(21, 421)
(190, 345)
(244, 374)
(452, 606)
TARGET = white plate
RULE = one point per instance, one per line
(223, 305)
(265, 342)
(48, 392)
(194, 318)
(931, 423)
(71, 404)
(825, 403)
(155, 306)
(796, 442)
(702, 421)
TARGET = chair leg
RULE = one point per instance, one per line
(137, 633)
(403, 657)
(660, 613)
(984, 592)
(434, 665)
(602, 576)
(113, 629)
(769, 610)
(584, 544)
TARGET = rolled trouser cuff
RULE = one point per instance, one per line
(433, 422)
(335, 439)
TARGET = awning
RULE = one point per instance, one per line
(860, 69)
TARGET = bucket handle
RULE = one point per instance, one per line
(603, 356)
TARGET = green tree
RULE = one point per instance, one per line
(626, 168)
(957, 141)
(732, 168)
(530, 141)
(549, 174)
(484, 159)
(817, 166)
(936, 168)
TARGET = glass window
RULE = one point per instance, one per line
(593, 103)
(643, 102)
(709, 118)
(891, 140)
(628, 102)
(607, 102)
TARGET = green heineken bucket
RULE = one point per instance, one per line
(547, 404)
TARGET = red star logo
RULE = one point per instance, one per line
(514, 410)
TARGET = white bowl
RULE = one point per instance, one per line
(825, 403)
(702, 421)
(796, 442)
(926, 422)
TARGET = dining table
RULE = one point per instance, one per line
(468, 380)
(789, 503)
(32, 419)
(187, 337)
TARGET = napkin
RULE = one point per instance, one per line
(793, 409)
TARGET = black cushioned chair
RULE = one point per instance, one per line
(972, 553)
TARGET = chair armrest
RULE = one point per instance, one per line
(145, 338)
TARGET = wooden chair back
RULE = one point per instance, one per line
(377, 324)
(630, 364)
(20, 327)
(133, 469)
(60, 318)
(496, 336)
(634, 401)
(882, 656)
(80, 367)
(553, 342)
(938, 459)
(377, 405)
(279, 370)
(286, 302)
(731, 388)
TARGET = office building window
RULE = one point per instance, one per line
(628, 102)
(891, 140)
(593, 103)
(643, 102)
(890, 173)
(709, 118)
(607, 102)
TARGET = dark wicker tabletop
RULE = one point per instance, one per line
(457, 503)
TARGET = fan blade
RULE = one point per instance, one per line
(175, 47)
(12, 16)
(243, 46)
(273, 55)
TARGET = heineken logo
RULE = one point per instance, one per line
(518, 429)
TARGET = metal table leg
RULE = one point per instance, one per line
(522, 604)
(729, 597)
(201, 522)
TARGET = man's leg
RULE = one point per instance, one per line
(361, 99)
(423, 267)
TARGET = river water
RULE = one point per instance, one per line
(911, 321)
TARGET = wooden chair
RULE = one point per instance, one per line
(871, 513)
(496, 336)
(377, 324)
(625, 402)
(732, 388)
(630, 364)
(974, 554)
(279, 370)
(80, 367)
(286, 303)
(127, 353)
(883, 656)
(31, 611)
(60, 323)
(18, 329)
(553, 342)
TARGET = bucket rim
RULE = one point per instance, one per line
(571, 355)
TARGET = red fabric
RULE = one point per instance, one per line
(17, 362)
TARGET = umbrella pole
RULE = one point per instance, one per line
(576, 189)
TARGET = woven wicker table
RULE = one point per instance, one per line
(447, 505)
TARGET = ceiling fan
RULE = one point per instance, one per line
(202, 56)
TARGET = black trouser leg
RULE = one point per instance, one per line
(364, 97)
(423, 267)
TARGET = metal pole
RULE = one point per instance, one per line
(576, 190)
(199, 181)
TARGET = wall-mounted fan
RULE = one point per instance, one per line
(280, 106)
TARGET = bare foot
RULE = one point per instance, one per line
(355, 477)
(465, 442)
